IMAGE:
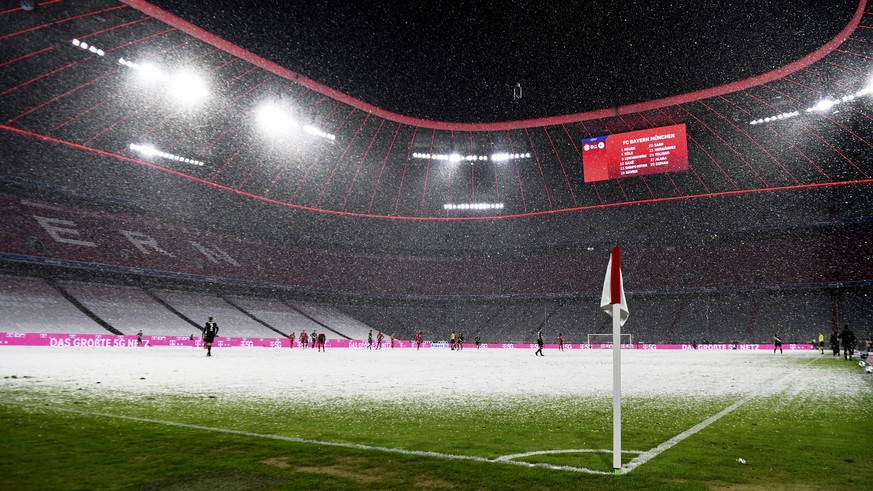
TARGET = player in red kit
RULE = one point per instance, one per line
(379, 338)
(321, 340)
(560, 342)
(418, 339)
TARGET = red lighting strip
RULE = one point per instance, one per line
(426, 173)
(361, 164)
(542, 174)
(17, 9)
(405, 168)
(26, 56)
(60, 21)
(772, 75)
(382, 169)
(86, 36)
(563, 169)
(857, 182)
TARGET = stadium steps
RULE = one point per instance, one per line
(313, 319)
(490, 317)
(533, 336)
(674, 326)
(253, 317)
(172, 309)
(85, 310)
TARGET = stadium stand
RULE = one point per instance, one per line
(199, 307)
(128, 309)
(340, 324)
(32, 305)
(767, 231)
(277, 314)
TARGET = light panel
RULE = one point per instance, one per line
(151, 151)
(457, 157)
(472, 206)
(90, 48)
(823, 105)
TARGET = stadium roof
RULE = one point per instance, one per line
(461, 61)
(127, 85)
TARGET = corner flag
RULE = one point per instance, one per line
(613, 302)
(613, 287)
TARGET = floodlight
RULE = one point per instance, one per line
(149, 71)
(145, 149)
(275, 119)
(866, 90)
(187, 88)
(824, 104)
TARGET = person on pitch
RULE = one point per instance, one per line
(777, 343)
(847, 341)
(210, 331)
(540, 343)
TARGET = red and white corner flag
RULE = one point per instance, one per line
(613, 302)
(613, 287)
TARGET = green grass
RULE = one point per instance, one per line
(796, 439)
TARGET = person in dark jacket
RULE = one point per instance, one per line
(210, 330)
(847, 339)
(540, 343)
(835, 343)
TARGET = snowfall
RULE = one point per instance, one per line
(428, 375)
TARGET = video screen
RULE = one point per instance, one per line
(635, 153)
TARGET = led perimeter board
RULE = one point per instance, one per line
(636, 153)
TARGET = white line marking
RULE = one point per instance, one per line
(506, 459)
(356, 446)
(577, 450)
(650, 454)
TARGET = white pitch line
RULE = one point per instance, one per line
(568, 450)
(356, 446)
(650, 454)
(506, 459)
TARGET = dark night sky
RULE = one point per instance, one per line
(459, 61)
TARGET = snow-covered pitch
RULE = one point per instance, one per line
(429, 375)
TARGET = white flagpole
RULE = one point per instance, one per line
(616, 388)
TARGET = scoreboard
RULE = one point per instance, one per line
(636, 153)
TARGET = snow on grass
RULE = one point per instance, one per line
(433, 376)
